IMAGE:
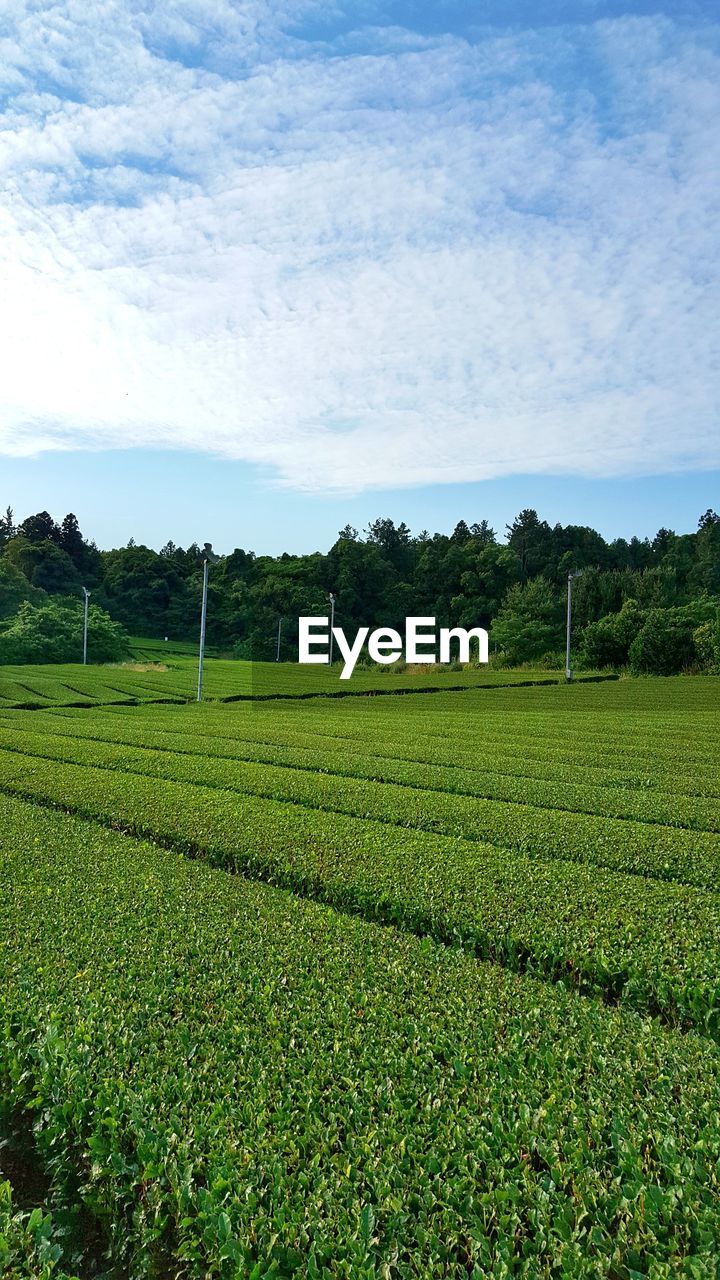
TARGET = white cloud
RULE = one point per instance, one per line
(441, 261)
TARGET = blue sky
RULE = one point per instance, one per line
(213, 500)
(275, 265)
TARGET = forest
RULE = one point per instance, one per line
(652, 605)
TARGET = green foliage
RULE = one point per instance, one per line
(706, 639)
(522, 846)
(665, 644)
(705, 573)
(531, 539)
(45, 565)
(52, 632)
(466, 578)
(7, 527)
(529, 623)
(256, 1085)
(150, 593)
(14, 589)
(606, 643)
(29, 1245)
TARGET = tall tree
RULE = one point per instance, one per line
(531, 539)
(71, 540)
(7, 527)
(40, 528)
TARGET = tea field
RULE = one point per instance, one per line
(156, 674)
(370, 987)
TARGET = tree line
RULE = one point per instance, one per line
(650, 603)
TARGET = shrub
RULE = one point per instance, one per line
(530, 622)
(52, 632)
(664, 646)
(707, 645)
(606, 643)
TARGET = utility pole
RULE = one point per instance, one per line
(568, 668)
(332, 624)
(85, 626)
(277, 655)
(203, 616)
(209, 558)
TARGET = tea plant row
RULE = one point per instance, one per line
(661, 852)
(562, 791)
(644, 941)
(238, 1082)
(75, 684)
(395, 731)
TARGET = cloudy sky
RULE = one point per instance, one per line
(294, 258)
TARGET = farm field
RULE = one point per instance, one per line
(157, 675)
(369, 987)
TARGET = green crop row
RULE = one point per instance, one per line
(561, 792)
(662, 852)
(463, 726)
(511, 757)
(393, 734)
(239, 1083)
(43, 685)
(62, 685)
(649, 943)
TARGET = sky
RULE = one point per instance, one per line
(271, 266)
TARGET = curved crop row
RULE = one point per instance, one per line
(562, 793)
(649, 943)
(661, 852)
(240, 1083)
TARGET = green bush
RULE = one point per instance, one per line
(530, 622)
(52, 632)
(664, 646)
(606, 643)
(707, 645)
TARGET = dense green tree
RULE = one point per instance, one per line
(7, 527)
(530, 622)
(362, 579)
(665, 644)
(286, 589)
(606, 643)
(532, 541)
(40, 528)
(706, 638)
(395, 543)
(574, 547)
(460, 533)
(147, 592)
(52, 632)
(14, 588)
(462, 579)
(482, 533)
(71, 539)
(662, 543)
(45, 565)
(705, 574)
(491, 569)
